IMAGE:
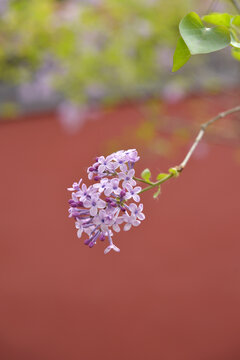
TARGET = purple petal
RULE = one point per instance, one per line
(127, 227)
(141, 216)
(131, 173)
(101, 204)
(93, 211)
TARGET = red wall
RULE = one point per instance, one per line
(172, 293)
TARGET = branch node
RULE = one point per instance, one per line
(179, 168)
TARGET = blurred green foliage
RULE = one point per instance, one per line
(107, 49)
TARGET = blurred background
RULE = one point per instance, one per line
(84, 78)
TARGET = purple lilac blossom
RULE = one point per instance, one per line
(133, 192)
(103, 206)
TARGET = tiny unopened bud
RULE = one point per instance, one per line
(122, 193)
(102, 237)
(72, 203)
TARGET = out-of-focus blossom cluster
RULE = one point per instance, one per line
(111, 201)
(75, 55)
(79, 54)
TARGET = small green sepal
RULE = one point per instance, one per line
(157, 193)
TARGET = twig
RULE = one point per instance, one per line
(204, 126)
(156, 183)
(180, 167)
(142, 180)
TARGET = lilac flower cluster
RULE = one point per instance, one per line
(99, 209)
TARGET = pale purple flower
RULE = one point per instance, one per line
(86, 192)
(112, 167)
(104, 163)
(101, 186)
(79, 226)
(75, 186)
(127, 178)
(111, 245)
(103, 219)
(120, 158)
(113, 187)
(132, 155)
(137, 211)
(94, 204)
(119, 153)
(133, 192)
(116, 224)
(130, 220)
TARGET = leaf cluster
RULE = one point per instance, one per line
(160, 178)
(196, 38)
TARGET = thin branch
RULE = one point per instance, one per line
(156, 183)
(142, 180)
(180, 167)
(204, 126)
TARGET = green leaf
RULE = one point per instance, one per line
(146, 174)
(236, 54)
(181, 55)
(174, 172)
(200, 39)
(161, 176)
(218, 19)
(157, 193)
(236, 20)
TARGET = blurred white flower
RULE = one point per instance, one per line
(71, 116)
